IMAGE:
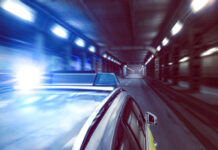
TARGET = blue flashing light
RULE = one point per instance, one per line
(28, 77)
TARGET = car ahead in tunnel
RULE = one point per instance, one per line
(74, 111)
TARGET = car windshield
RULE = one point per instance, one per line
(44, 119)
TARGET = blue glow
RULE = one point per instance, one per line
(80, 42)
(92, 49)
(60, 31)
(100, 88)
(28, 77)
(18, 9)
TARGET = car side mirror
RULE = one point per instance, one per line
(151, 118)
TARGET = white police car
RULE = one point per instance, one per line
(73, 111)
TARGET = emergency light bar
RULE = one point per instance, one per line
(80, 81)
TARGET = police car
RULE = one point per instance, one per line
(73, 111)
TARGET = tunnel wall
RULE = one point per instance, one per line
(35, 42)
(197, 37)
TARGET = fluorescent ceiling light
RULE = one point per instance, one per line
(165, 41)
(152, 56)
(105, 55)
(184, 59)
(197, 5)
(92, 49)
(18, 9)
(80, 42)
(60, 31)
(170, 63)
(158, 48)
(177, 28)
(210, 51)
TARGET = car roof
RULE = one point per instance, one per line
(102, 137)
(47, 115)
(94, 120)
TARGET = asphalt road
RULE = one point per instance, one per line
(170, 133)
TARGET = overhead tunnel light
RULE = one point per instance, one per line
(176, 28)
(184, 59)
(158, 48)
(197, 5)
(18, 9)
(152, 56)
(209, 52)
(92, 49)
(105, 55)
(60, 31)
(111, 59)
(165, 41)
(80, 42)
(170, 63)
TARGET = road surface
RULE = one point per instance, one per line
(170, 133)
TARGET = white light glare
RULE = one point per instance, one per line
(117, 62)
(18, 9)
(152, 56)
(105, 55)
(184, 59)
(158, 48)
(210, 51)
(170, 63)
(92, 49)
(80, 42)
(28, 77)
(165, 41)
(177, 28)
(60, 31)
(197, 5)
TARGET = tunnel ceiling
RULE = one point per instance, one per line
(117, 23)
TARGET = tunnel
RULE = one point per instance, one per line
(163, 52)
